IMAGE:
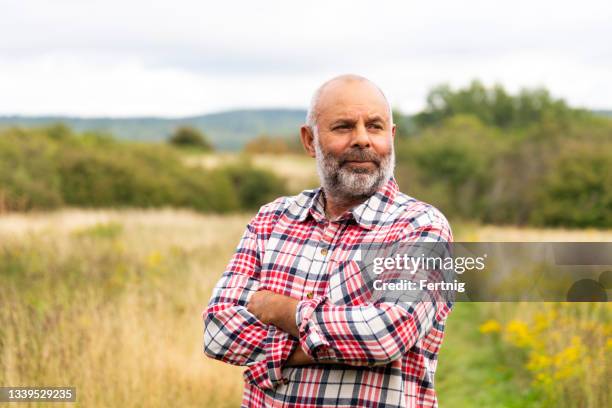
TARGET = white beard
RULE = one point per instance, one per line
(348, 184)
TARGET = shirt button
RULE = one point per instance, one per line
(324, 251)
(285, 381)
(309, 295)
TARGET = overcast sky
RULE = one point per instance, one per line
(184, 57)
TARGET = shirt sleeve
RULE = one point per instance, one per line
(375, 333)
(231, 333)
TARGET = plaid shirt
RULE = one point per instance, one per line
(386, 351)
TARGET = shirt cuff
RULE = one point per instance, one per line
(267, 373)
(311, 338)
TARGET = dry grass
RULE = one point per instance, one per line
(132, 335)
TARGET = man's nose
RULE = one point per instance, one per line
(361, 137)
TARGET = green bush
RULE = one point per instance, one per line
(187, 136)
(451, 166)
(494, 106)
(28, 176)
(254, 187)
(578, 190)
(46, 168)
(546, 174)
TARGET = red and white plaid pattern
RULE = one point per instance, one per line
(387, 351)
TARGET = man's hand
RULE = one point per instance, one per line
(298, 358)
(272, 308)
(279, 310)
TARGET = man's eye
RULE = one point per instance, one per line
(341, 127)
(376, 126)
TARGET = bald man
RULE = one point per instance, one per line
(292, 304)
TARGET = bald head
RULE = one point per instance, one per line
(341, 89)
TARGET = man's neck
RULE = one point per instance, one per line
(336, 206)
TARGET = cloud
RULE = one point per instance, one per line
(182, 57)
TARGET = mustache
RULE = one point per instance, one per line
(359, 155)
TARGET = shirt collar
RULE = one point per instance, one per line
(367, 214)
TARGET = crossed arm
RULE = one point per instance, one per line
(232, 333)
(279, 310)
(248, 325)
(272, 308)
(371, 334)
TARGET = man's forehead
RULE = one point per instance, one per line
(352, 98)
(356, 112)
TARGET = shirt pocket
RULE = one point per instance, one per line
(349, 284)
(288, 268)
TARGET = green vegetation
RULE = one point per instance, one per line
(488, 156)
(495, 106)
(189, 137)
(46, 168)
(253, 188)
(477, 153)
(473, 372)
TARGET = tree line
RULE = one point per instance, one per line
(478, 153)
(483, 154)
(49, 167)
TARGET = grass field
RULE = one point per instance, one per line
(111, 301)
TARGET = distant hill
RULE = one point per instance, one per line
(226, 130)
(607, 113)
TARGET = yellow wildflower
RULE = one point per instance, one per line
(490, 326)
(518, 334)
(154, 259)
(538, 362)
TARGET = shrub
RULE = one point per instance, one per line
(578, 190)
(450, 166)
(45, 168)
(547, 174)
(187, 136)
(254, 187)
(28, 179)
(494, 106)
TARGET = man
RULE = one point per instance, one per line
(293, 305)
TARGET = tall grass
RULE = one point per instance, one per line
(113, 308)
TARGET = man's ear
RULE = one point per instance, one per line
(393, 131)
(307, 140)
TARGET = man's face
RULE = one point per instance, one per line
(354, 139)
